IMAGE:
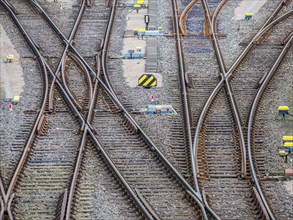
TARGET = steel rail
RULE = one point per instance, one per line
(183, 17)
(274, 14)
(2, 208)
(184, 89)
(2, 195)
(253, 42)
(146, 211)
(186, 106)
(287, 38)
(76, 102)
(87, 127)
(220, 84)
(215, 15)
(7, 197)
(68, 199)
(82, 147)
(108, 89)
(87, 75)
(228, 88)
(251, 119)
(75, 110)
(61, 64)
(229, 73)
(197, 195)
(262, 31)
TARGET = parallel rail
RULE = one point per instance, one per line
(252, 114)
(109, 90)
(224, 80)
(88, 126)
(8, 196)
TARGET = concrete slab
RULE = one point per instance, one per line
(247, 6)
(11, 74)
(132, 43)
(133, 69)
(136, 20)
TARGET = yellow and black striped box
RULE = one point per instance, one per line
(147, 81)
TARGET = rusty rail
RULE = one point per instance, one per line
(184, 91)
(251, 119)
(61, 64)
(229, 90)
(226, 75)
(183, 17)
(7, 198)
(75, 110)
(215, 15)
(109, 90)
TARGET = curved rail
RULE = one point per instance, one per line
(197, 197)
(183, 16)
(62, 61)
(81, 148)
(184, 91)
(254, 41)
(227, 75)
(87, 75)
(109, 90)
(229, 90)
(113, 96)
(264, 28)
(87, 126)
(8, 197)
(215, 15)
(251, 118)
(77, 113)
(77, 103)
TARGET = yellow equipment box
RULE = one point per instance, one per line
(137, 6)
(283, 108)
(287, 138)
(16, 99)
(288, 144)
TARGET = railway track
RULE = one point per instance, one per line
(37, 185)
(237, 35)
(88, 127)
(172, 140)
(48, 167)
(220, 144)
(256, 135)
(60, 182)
(140, 167)
(150, 180)
(99, 195)
(13, 139)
